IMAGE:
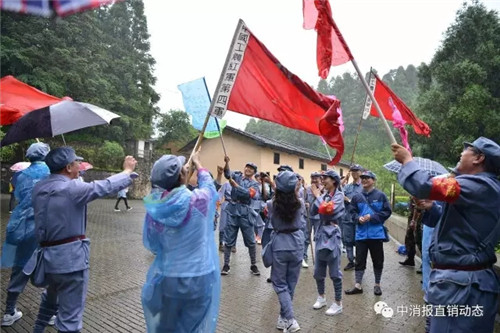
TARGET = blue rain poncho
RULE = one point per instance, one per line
(182, 288)
(20, 241)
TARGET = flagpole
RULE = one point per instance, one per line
(220, 134)
(197, 147)
(369, 92)
(327, 151)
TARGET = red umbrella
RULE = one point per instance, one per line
(84, 166)
(18, 98)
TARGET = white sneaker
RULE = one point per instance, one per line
(281, 325)
(292, 326)
(320, 302)
(304, 264)
(334, 309)
(52, 320)
(117, 210)
(9, 319)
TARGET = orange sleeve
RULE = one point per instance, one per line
(445, 189)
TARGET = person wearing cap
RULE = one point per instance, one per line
(462, 249)
(348, 224)
(330, 207)
(370, 209)
(285, 167)
(182, 288)
(20, 242)
(312, 221)
(257, 208)
(61, 262)
(244, 188)
(285, 212)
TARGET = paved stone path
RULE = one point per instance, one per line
(248, 303)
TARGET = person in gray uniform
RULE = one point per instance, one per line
(463, 286)
(61, 262)
(330, 208)
(244, 188)
(285, 215)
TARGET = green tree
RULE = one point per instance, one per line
(460, 97)
(99, 56)
(110, 155)
(175, 126)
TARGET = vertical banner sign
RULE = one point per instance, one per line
(218, 107)
(368, 101)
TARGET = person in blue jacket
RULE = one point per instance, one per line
(244, 189)
(462, 249)
(61, 262)
(182, 288)
(330, 208)
(370, 209)
(20, 242)
(285, 216)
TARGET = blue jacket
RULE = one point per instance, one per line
(376, 204)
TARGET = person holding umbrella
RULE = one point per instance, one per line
(20, 242)
(462, 249)
(61, 262)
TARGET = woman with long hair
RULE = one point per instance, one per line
(285, 215)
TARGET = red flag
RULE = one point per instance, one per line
(383, 95)
(17, 98)
(255, 83)
(332, 50)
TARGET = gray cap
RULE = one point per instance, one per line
(58, 158)
(332, 174)
(285, 167)
(166, 170)
(37, 151)
(286, 181)
(368, 174)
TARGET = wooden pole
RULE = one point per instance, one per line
(197, 146)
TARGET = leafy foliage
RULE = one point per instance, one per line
(460, 88)
(175, 126)
(99, 56)
(110, 155)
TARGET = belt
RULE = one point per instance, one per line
(289, 231)
(62, 241)
(463, 268)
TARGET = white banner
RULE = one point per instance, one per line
(218, 107)
(368, 101)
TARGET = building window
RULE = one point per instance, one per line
(276, 158)
(323, 167)
(301, 163)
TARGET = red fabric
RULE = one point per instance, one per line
(17, 98)
(265, 89)
(331, 50)
(445, 189)
(382, 95)
(329, 127)
(326, 208)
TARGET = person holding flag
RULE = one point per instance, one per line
(462, 249)
(244, 188)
